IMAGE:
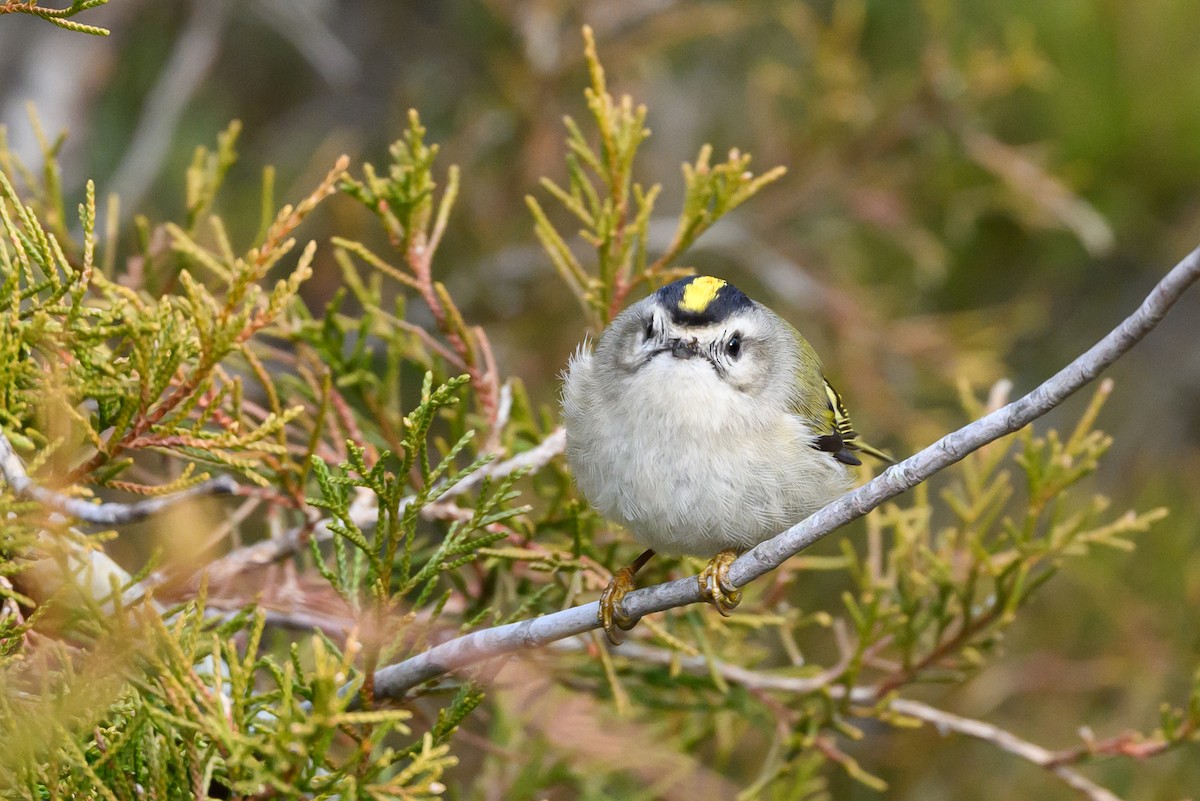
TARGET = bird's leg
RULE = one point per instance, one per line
(714, 583)
(612, 611)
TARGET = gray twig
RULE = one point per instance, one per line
(100, 514)
(824, 682)
(943, 721)
(533, 459)
(395, 680)
(1002, 739)
(365, 514)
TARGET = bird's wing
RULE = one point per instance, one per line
(838, 435)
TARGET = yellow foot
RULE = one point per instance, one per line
(714, 583)
(612, 610)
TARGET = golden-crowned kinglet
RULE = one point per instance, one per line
(702, 423)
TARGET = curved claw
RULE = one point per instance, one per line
(612, 611)
(714, 583)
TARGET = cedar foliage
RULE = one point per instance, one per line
(367, 444)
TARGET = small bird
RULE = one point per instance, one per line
(703, 424)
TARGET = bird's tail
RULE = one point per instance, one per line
(871, 450)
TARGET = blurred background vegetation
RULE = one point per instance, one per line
(974, 191)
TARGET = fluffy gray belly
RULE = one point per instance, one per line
(698, 489)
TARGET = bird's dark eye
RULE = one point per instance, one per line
(734, 346)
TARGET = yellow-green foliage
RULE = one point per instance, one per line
(145, 371)
(57, 16)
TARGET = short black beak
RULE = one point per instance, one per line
(682, 349)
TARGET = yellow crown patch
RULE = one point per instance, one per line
(698, 294)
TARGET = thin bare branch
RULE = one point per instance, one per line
(824, 682)
(365, 513)
(101, 514)
(1005, 741)
(700, 665)
(535, 458)
(395, 680)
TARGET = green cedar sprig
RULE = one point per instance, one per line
(615, 211)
